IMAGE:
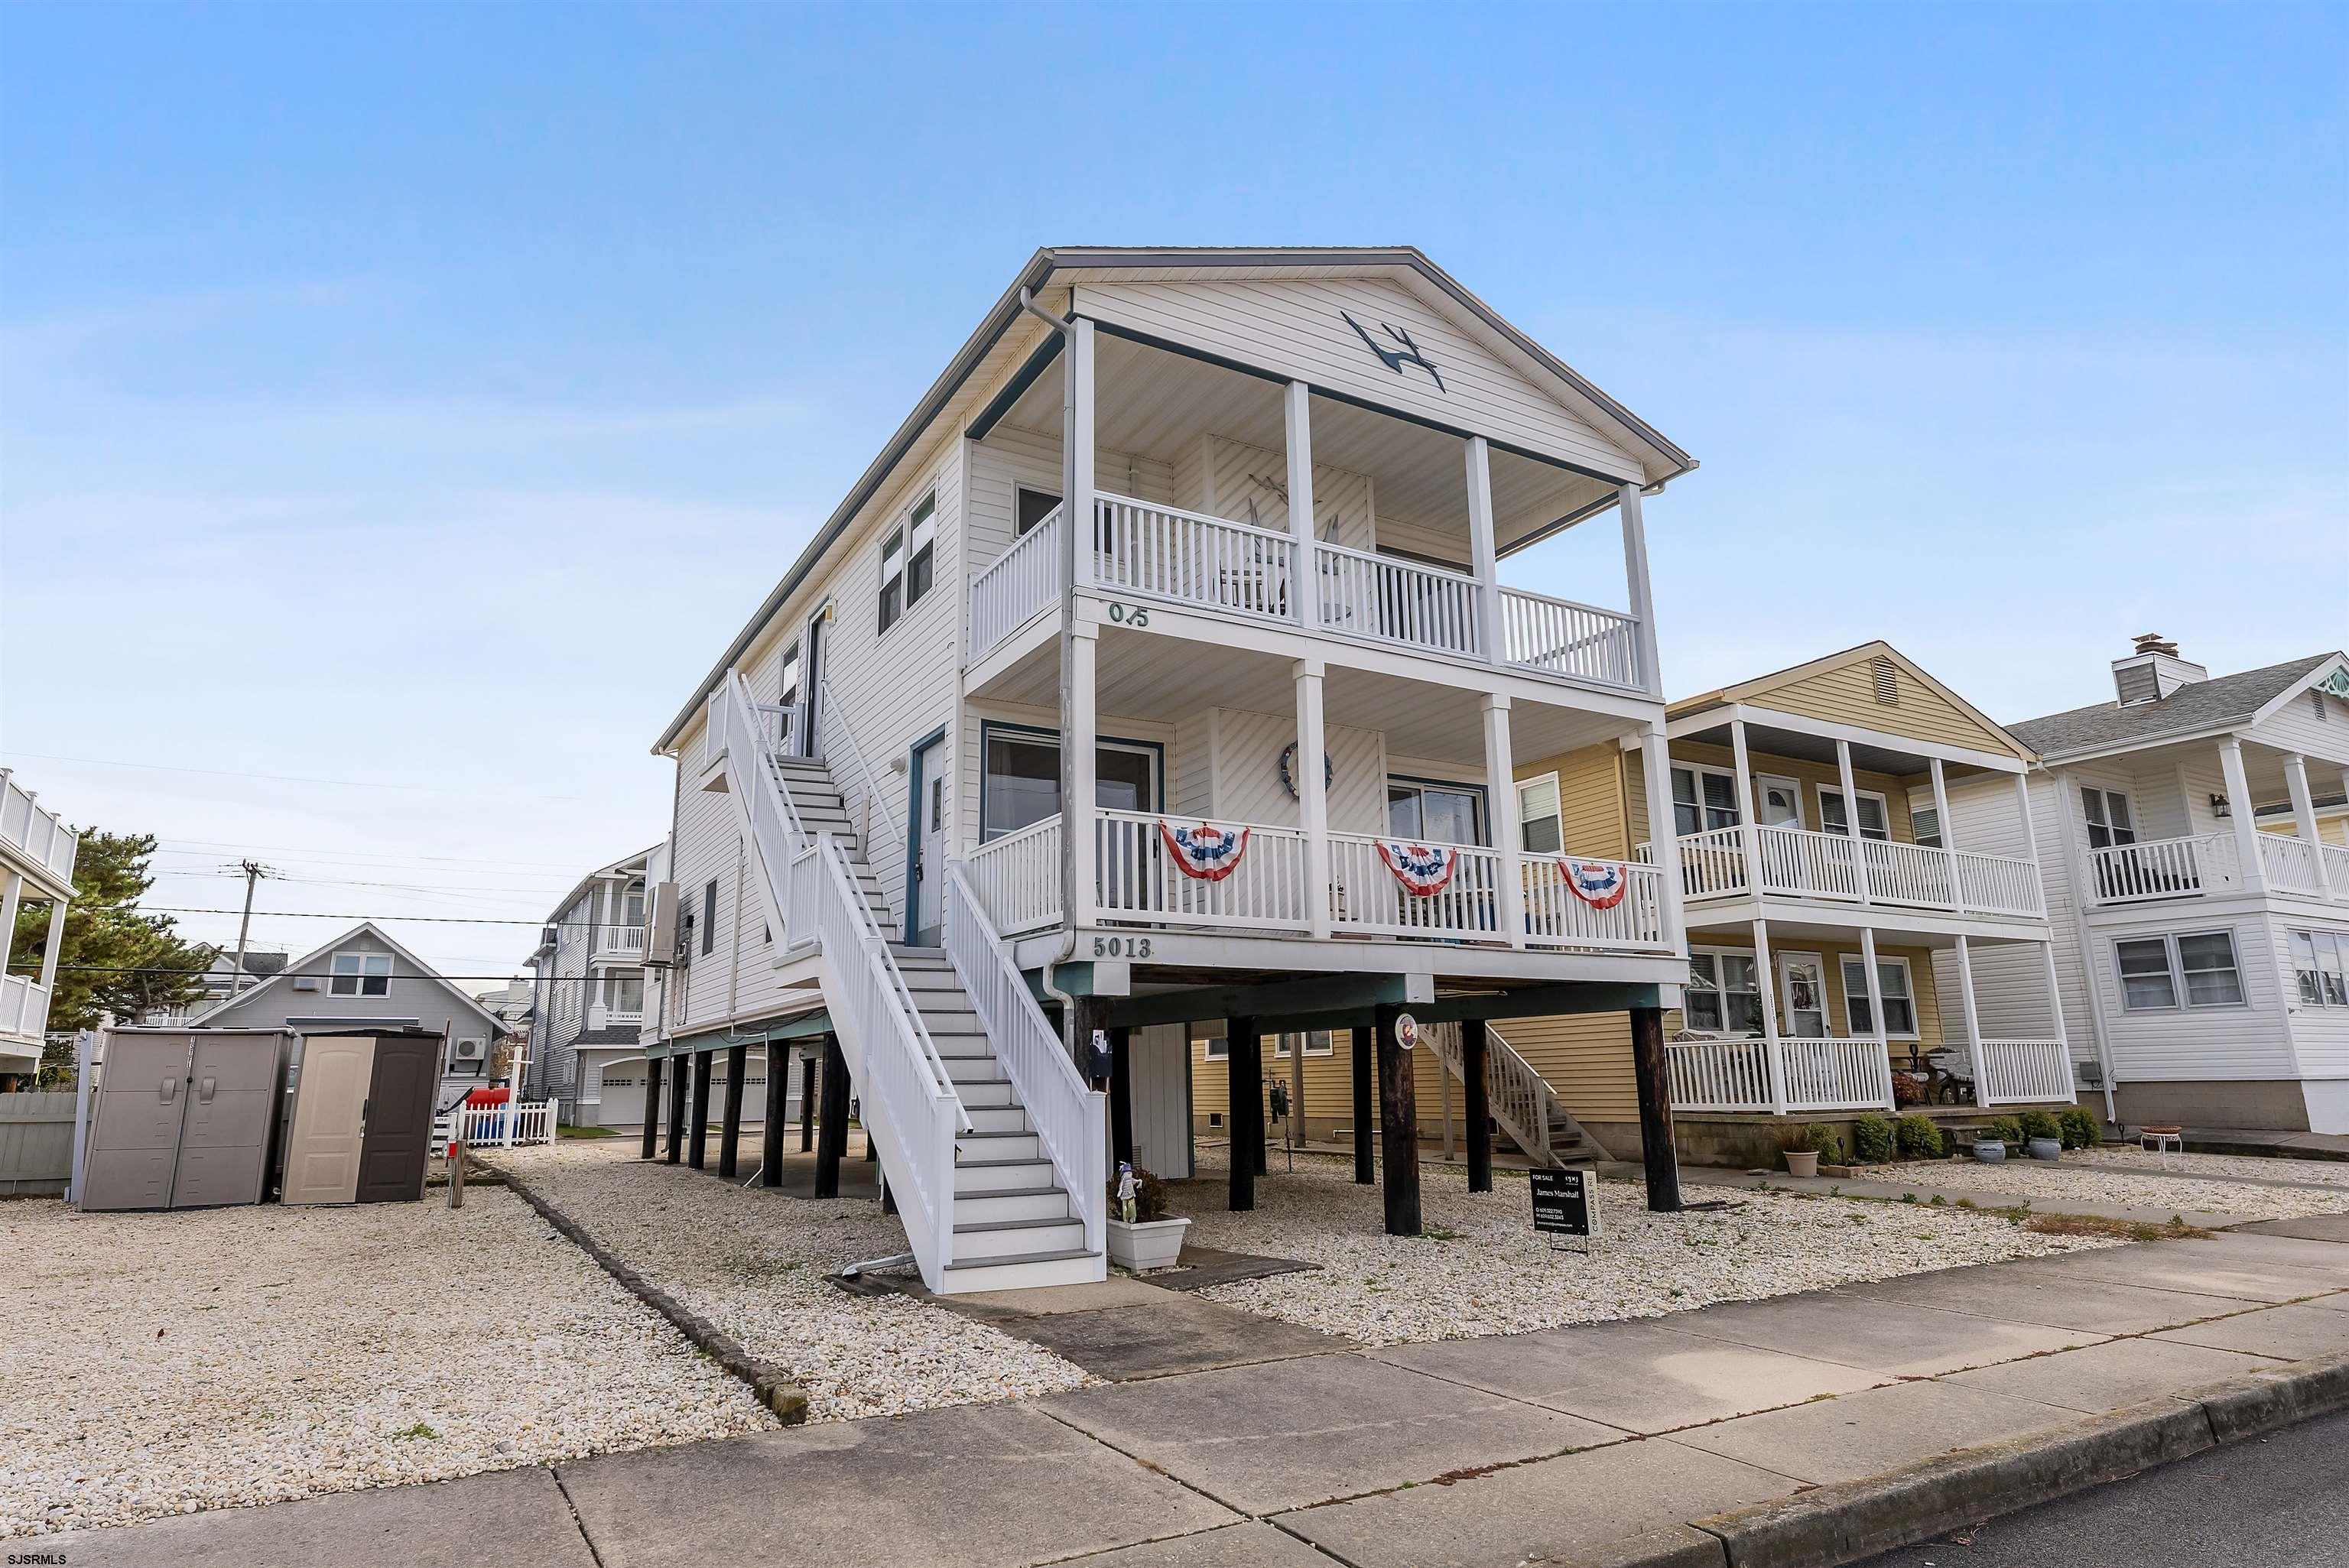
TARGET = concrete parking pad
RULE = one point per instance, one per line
(1870, 1432)
(393, 1527)
(2296, 1333)
(980, 1486)
(1173, 1334)
(1250, 1545)
(2313, 1228)
(1882, 1336)
(2106, 1377)
(1552, 1511)
(1299, 1432)
(1641, 1376)
(1996, 1290)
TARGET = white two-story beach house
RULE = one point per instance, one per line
(36, 867)
(1171, 664)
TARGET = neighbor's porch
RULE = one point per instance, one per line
(2162, 824)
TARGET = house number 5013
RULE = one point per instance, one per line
(1121, 947)
(1128, 615)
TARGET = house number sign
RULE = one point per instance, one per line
(1128, 614)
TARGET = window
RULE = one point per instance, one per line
(787, 677)
(1778, 801)
(1900, 1000)
(1703, 799)
(1023, 778)
(1722, 995)
(892, 578)
(1209, 1038)
(1873, 822)
(2156, 971)
(1439, 813)
(710, 916)
(632, 906)
(1318, 1043)
(627, 993)
(2320, 965)
(1924, 821)
(1537, 816)
(907, 558)
(1030, 507)
(360, 975)
(2110, 821)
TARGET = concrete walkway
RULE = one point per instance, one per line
(1561, 1444)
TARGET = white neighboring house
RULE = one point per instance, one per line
(588, 1013)
(366, 978)
(36, 866)
(2197, 870)
(260, 962)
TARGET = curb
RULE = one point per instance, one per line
(786, 1398)
(1848, 1520)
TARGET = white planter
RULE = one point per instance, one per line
(1147, 1243)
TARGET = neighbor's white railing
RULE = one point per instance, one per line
(1556, 917)
(1801, 862)
(2007, 1072)
(1560, 637)
(1016, 878)
(2292, 864)
(2336, 868)
(1518, 1097)
(1718, 1075)
(1065, 1110)
(1807, 864)
(1136, 879)
(41, 834)
(1366, 898)
(2165, 867)
(509, 1126)
(24, 1007)
(623, 941)
(1192, 558)
(1382, 598)
(1835, 1074)
(1998, 884)
(1016, 585)
(1900, 873)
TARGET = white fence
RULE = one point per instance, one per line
(1016, 585)
(509, 1126)
(1718, 1075)
(1817, 1074)
(2165, 867)
(1368, 897)
(2292, 864)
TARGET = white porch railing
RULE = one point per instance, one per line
(2165, 867)
(1016, 878)
(2292, 864)
(1137, 879)
(1016, 585)
(1192, 559)
(1819, 1074)
(1799, 862)
(2336, 868)
(1365, 896)
(1384, 599)
(24, 1007)
(1718, 1075)
(1907, 873)
(840, 738)
(1065, 1110)
(509, 1126)
(779, 724)
(41, 834)
(620, 942)
(1560, 637)
(1998, 884)
(2010, 1072)
(1556, 917)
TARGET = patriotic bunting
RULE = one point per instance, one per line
(1205, 851)
(1422, 869)
(1602, 884)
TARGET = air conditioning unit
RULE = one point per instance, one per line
(661, 940)
(305, 982)
(467, 1050)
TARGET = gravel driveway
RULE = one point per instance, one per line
(165, 1363)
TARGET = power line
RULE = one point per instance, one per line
(339, 851)
(290, 777)
(425, 919)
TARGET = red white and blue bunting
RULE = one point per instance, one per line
(1602, 884)
(1205, 851)
(1422, 869)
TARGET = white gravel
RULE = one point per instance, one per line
(159, 1364)
(2299, 1173)
(2100, 1182)
(1481, 1269)
(753, 1262)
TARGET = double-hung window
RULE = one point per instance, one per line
(2319, 967)
(1702, 798)
(1537, 816)
(1438, 814)
(1212, 1043)
(1319, 1043)
(1873, 821)
(1900, 998)
(909, 561)
(359, 974)
(1723, 995)
(2109, 819)
(2198, 969)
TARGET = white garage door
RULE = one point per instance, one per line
(623, 1094)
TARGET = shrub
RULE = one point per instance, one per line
(2039, 1124)
(1908, 1088)
(2006, 1130)
(1817, 1137)
(1871, 1140)
(2081, 1129)
(1149, 1202)
(1919, 1137)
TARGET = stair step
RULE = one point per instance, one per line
(974, 1069)
(986, 1148)
(1013, 1203)
(1065, 1254)
(998, 1240)
(977, 1094)
(998, 1118)
(974, 1176)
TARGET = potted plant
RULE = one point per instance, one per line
(2042, 1135)
(1807, 1143)
(1991, 1146)
(1141, 1234)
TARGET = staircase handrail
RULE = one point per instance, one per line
(777, 835)
(1065, 1109)
(1513, 1081)
(864, 933)
(831, 711)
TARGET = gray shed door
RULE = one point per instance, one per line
(398, 1120)
(141, 1099)
(224, 1148)
(321, 1154)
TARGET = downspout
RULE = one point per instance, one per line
(1068, 636)
(2077, 875)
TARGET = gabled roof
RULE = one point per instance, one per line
(1755, 689)
(307, 964)
(2198, 706)
(615, 869)
(1669, 461)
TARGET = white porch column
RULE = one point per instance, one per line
(1966, 1004)
(1077, 464)
(1501, 798)
(2303, 817)
(1483, 554)
(1306, 580)
(1947, 832)
(1313, 795)
(1875, 987)
(1851, 820)
(2254, 873)
(2031, 838)
(1749, 832)
(1767, 984)
(1655, 763)
(1648, 677)
(1080, 735)
(10, 902)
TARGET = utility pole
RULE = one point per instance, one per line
(254, 871)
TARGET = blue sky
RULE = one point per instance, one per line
(417, 397)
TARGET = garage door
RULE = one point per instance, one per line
(623, 1094)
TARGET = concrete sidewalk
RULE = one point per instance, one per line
(1569, 1444)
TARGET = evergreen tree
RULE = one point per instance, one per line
(113, 958)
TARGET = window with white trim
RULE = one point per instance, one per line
(1030, 507)
(1213, 1045)
(2110, 820)
(908, 558)
(1437, 813)
(1318, 1043)
(1539, 817)
(1703, 799)
(2198, 969)
(359, 974)
(2319, 967)
(1875, 821)
(1723, 995)
(1900, 996)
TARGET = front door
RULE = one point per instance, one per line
(928, 871)
(1803, 991)
(811, 739)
